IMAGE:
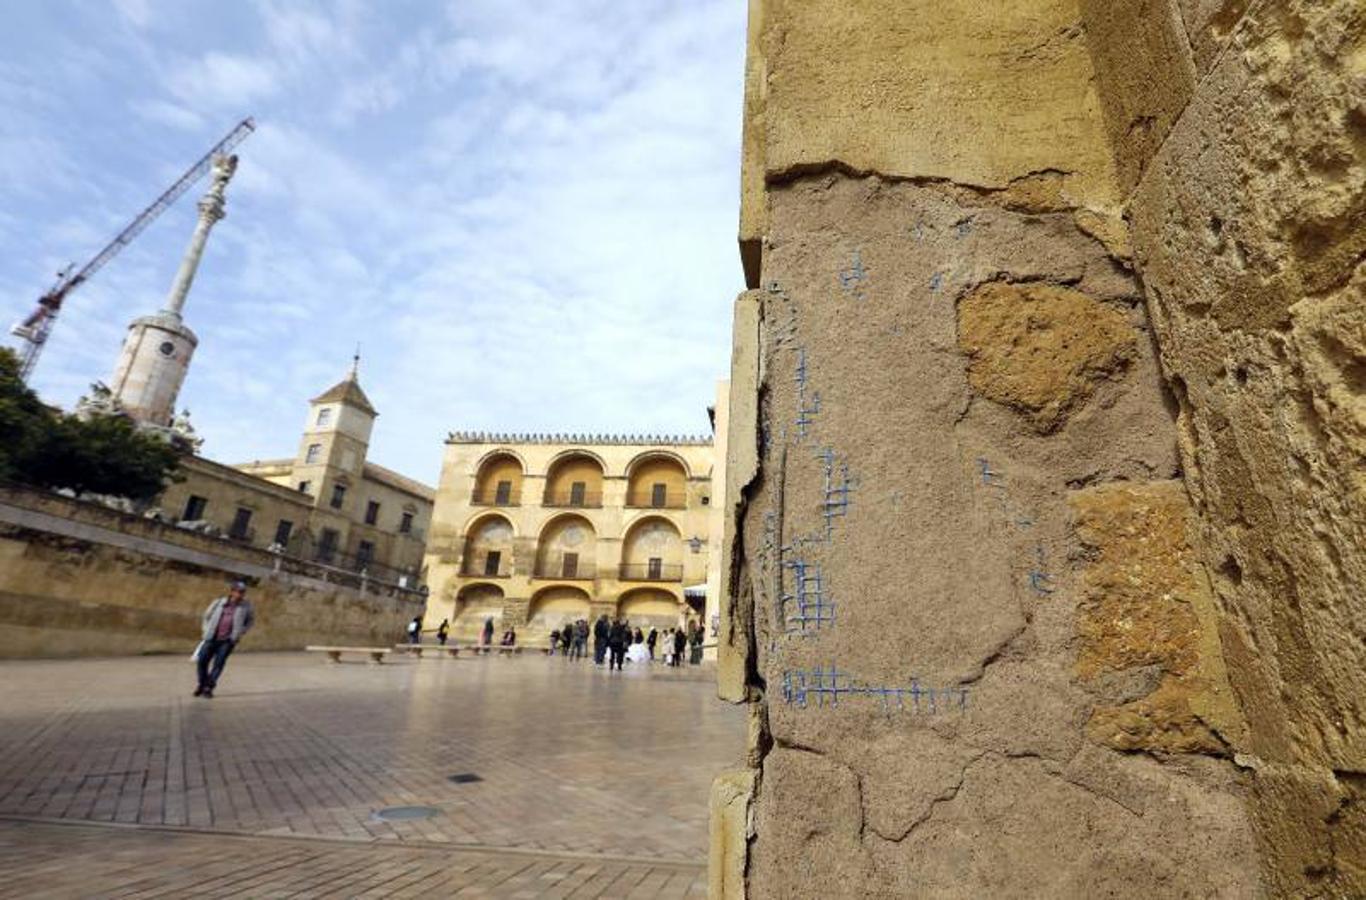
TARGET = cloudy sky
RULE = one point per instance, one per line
(524, 213)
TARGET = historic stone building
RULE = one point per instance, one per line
(536, 530)
(1046, 517)
(327, 503)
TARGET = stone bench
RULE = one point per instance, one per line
(416, 649)
(334, 654)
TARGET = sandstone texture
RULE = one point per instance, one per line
(1040, 348)
(1047, 536)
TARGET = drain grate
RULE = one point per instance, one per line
(464, 778)
(406, 813)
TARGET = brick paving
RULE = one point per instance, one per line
(592, 784)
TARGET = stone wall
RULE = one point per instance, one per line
(77, 579)
(1045, 499)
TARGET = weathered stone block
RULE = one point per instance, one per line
(1039, 348)
(1146, 605)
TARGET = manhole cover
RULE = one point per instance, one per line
(405, 813)
(464, 778)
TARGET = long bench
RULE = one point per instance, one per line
(334, 654)
(486, 649)
(416, 649)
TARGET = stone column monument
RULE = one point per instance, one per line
(156, 353)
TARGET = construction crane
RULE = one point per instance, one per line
(37, 326)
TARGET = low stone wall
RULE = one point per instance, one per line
(77, 579)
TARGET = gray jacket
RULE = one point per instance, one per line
(243, 618)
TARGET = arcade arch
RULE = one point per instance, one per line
(567, 548)
(488, 547)
(652, 551)
(498, 481)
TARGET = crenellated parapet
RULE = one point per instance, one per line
(643, 440)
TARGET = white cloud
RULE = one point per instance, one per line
(172, 115)
(223, 80)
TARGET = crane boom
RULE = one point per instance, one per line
(36, 327)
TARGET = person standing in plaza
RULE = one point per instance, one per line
(443, 631)
(602, 630)
(617, 638)
(580, 638)
(415, 630)
(680, 642)
(224, 623)
(695, 640)
(651, 641)
(488, 631)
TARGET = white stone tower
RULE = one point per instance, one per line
(156, 353)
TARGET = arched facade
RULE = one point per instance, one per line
(552, 607)
(567, 548)
(498, 481)
(565, 499)
(574, 479)
(652, 551)
(657, 481)
(474, 604)
(488, 547)
(651, 607)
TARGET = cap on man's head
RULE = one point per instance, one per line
(239, 585)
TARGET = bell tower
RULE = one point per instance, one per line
(335, 440)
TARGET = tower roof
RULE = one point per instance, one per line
(346, 391)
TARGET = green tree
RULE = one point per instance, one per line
(103, 454)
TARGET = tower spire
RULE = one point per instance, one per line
(355, 365)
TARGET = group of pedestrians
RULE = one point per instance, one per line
(570, 640)
(616, 642)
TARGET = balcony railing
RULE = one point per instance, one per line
(557, 569)
(479, 570)
(492, 498)
(651, 572)
(573, 499)
(651, 500)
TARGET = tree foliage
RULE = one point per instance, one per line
(42, 447)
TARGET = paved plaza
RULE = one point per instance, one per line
(573, 782)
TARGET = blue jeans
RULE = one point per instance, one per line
(212, 657)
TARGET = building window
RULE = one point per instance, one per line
(502, 495)
(577, 491)
(570, 569)
(365, 553)
(659, 495)
(405, 524)
(305, 487)
(491, 562)
(371, 512)
(656, 568)
(282, 532)
(338, 496)
(194, 508)
(240, 520)
(324, 417)
(314, 453)
(327, 545)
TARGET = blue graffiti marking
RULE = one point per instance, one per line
(827, 685)
(852, 279)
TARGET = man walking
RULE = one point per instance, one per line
(225, 621)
